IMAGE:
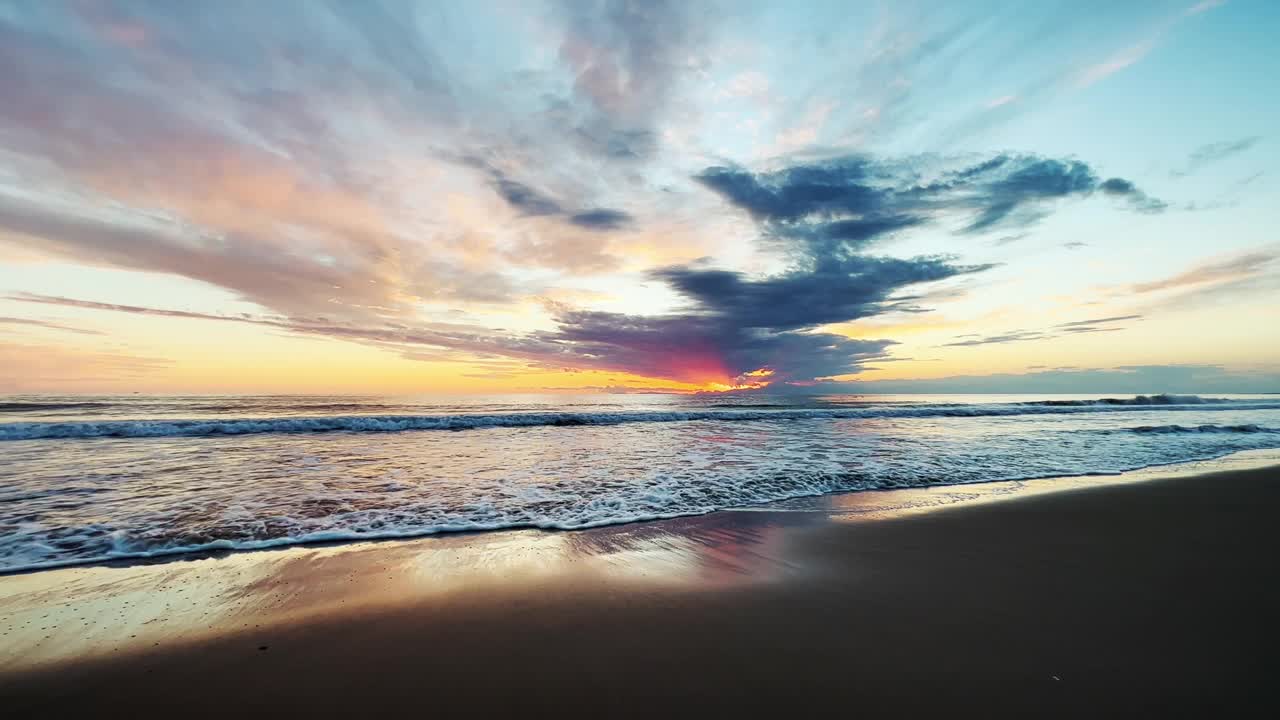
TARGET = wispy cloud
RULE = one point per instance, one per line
(1243, 266)
(28, 322)
(33, 368)
(1104, 324)
(1134, 53)
(1114, 64)
(1206, 155)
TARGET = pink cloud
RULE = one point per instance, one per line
(1114, 64)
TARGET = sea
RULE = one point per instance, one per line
(110, 478)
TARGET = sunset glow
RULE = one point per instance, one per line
(332, 198)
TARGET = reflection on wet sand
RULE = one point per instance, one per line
(79, 612)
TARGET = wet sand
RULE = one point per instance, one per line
(1154, 599)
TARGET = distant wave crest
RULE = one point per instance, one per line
(1162, 399)
(399, 423)
(18, 406)
(1178, 429)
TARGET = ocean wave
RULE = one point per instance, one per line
(18, 406)
(1176, 429)
(1162, 399)
(400, 423)
(32, 546)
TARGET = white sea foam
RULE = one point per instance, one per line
(242, 484)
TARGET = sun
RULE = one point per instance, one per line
(757, 379)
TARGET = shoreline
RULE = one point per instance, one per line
(1150, 594)
(1016, 487)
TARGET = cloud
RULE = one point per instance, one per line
(1000, 339)
(1215, 272)
(1009, 239)
(47, 325)
(299, 278)
(706, 348)
(310, 164)
(38, 368)
(532, 202)
(1138, 200)
(856, 200)
(258, 178)
(1134, 53)
(449, 340)
(1114, 64)
(626, 59)
(1105, 324)
(687, 348)
(834, 289)
(1206, 155)
(574, 249)
(824, 215)
(601, 219)
(1097, 321)
(349, 167)
(738, 324)
(525, 199)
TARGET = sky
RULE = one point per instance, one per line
(409, 197)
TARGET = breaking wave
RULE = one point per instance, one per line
(1177, 429)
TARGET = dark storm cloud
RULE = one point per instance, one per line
(842, 186)
(1017, 195)
(699, 348)
(601, 219)
(824, 215)
(682, 347)
(1138, 200)
(858, 200)
(836, 290)
(739, 324)
(525, 199)
(530, 201)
